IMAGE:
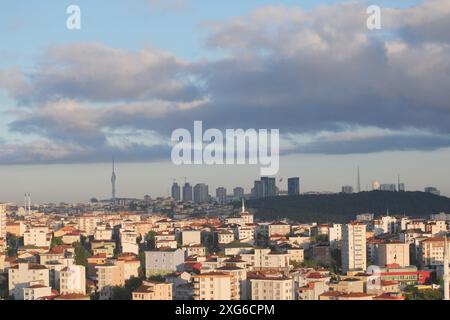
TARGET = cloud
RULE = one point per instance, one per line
(93, 72)
(323, 79)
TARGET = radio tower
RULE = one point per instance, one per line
(358, 187)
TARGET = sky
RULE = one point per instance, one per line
(340, 94)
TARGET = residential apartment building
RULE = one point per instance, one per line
(163, 261)
(24, 275)
(109, 275)
(335, 236)
(270, 286)
(39, 236)
(36, 292)
(212, 286)
(151, 290)
(431, 251)
(190, 237)
(265, 258)
(354, 247)
(393, 253)
(72, 280)
(238, 281)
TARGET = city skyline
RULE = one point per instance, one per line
(281, 183)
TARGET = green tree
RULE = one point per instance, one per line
(56, 241)
(310, 263)
(81, 254)
(150, 239)
(179, 241)
(412, 293)
(4, 290)
(125, 292)
(142, 267)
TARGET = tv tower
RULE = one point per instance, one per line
(113, 183)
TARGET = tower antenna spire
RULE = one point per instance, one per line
(113, 182)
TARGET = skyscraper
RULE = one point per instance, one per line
(433, 190)
(238, 193)
(391, 187)
(347, 189)
(221, 195)
(113, 183)
(187, 192)
(264, 188)
(354, 247)
(258, 189)
(201, 193)
(176, 191)
(294, 186)
(269, 187)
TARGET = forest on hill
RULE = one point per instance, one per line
(340, 207)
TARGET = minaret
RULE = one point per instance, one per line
(29, 203)
(243, 206)
(446, 274)
(113, 183)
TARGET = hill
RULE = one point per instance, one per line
(344, 207)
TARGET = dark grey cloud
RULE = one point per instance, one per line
(92, 72)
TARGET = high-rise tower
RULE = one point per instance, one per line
(358, 188)
(113, 182)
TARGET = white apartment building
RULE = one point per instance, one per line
(335, 235)
(88, 224)
(36, 292)
(103, 232)
(278, 228)
(354, 247)
(212, 286)
(393, 253)
(73, 280)
(270, 287)
(25, 275)
(265, 258)
(190, 237)
(225, 237)
(39, 236)
(238, 281)
(163, 261)
(431, 251)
